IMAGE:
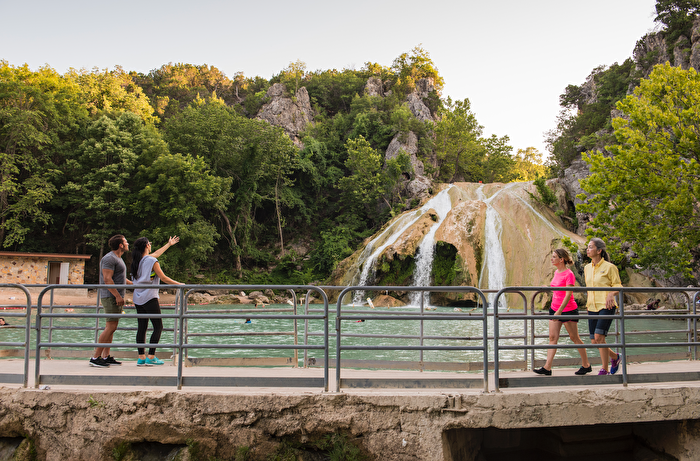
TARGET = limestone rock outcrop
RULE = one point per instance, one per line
(374, 87)
(417, 185)
(416, 101)
(408, 143)
(571, 182)
(652, 50)
(292, 114)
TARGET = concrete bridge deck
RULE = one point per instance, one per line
(80, 376)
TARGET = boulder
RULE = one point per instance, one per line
(374, 87)
(291, 114)
(387, 301)
(408, 143)
(577, 171)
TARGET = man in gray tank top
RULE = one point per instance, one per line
(112, 272)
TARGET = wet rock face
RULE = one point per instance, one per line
(529, 234)
(291, 114)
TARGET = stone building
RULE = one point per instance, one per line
(43, 268)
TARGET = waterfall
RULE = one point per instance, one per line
(426, 252)
(494, 259)
(394, 232)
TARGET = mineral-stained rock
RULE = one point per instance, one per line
(407, 243)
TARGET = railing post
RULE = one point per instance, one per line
(180, 307)
(422, 303)
(337, 342)
(620, 300)
(496, 334)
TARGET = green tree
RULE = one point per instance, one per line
(458, 146)
(178, 195)
(258, 157)
(529, 165)
(646, 194)
(98, 191)
(40, 116)
(413, 66)
(111, 93)
(500, 164)
(364, 186)
(294, 72)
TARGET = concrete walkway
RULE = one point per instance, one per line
(62, 374)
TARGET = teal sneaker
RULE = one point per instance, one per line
(154, 361)
(143, 363)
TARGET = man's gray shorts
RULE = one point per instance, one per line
(110, 305)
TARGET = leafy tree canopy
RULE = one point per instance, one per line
(645, 195)
(677, 16)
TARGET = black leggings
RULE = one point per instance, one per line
(151, 307)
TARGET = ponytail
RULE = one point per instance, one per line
(137, 254)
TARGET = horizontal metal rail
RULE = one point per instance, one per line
(182, 341)
(621, 317)
(181, 316)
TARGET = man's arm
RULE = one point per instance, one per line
(107, 276)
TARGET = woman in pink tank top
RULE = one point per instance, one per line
(563, 305)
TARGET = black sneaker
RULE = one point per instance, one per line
(543, 371)
(98, 362)
(583, 370)
(111, 361)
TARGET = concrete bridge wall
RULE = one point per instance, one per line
(78, 425)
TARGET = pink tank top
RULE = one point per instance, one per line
(563, 279)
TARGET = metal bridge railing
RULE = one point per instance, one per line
(422, 317)
(180, 347)
(621, 317)
(182, 318)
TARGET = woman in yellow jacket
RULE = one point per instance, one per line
(600, 272)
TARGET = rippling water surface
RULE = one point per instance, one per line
(235, 331)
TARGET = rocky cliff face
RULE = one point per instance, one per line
(292, 114)
(652, 50)
(417, 185)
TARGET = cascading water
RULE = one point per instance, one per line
(426, 251)
(494, 259)
(394, 232)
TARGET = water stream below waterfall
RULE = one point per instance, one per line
(441, 203)
(494, 261)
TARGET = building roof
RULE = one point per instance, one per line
(19, 254)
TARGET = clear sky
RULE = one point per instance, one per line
(511, 58)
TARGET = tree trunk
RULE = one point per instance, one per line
(227, 223)
(279, 217)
